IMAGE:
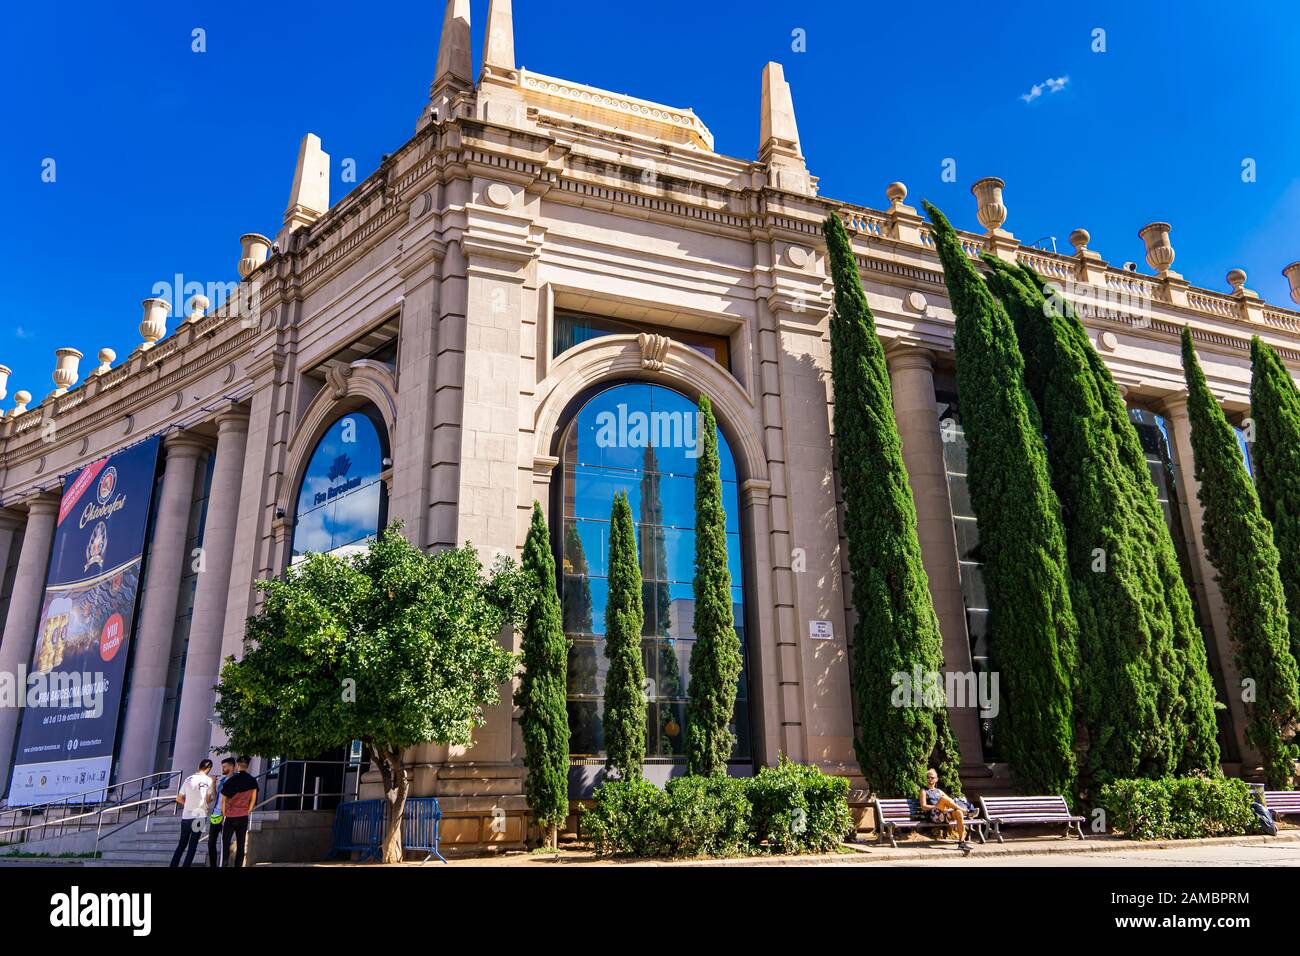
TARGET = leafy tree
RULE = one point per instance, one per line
(1145, 690)
(1275, 408)
(896, 628)
(625, 700)
(543, 685)
(715, 658)
(1031, 622)
(1239, 543)
(390, 646)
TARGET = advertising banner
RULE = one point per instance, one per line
(77, 670)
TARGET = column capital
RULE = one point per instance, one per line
(10, 520)
(185, 444)
(1175, 403)
(234, 418)
(46, 502)
(907, 355)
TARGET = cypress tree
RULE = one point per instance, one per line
(1145, 690)
(1239, 543)
(1275, 408)
(625, 700)
(715, 658)
(897, 630)
(1032, 627)
(542, 687)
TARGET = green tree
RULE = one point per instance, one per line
(896, 629)
(625, 701)
(715, 658)
(1275, 409)
(1145, 693)
(1239, 543)
(391, 646)
(1031, 622)
(542, 687)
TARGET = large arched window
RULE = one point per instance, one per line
(342, 503)
(640, 439)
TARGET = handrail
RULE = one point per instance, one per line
(105, 789)
(128, 795)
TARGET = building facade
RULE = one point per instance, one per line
(440, 346)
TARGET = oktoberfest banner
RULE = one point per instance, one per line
(78, 665)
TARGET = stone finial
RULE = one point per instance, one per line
(309, 199)
(896, 193)
(65, 370)
(988, 194)
(1237, 279)
(455, 67)
(4, 381)
(253, 249)
(778, 136)
(1292, 273)
(154, 324)
(106, 359)
(778, 131)
(1160, 253)
(22, 398)
(1080, 239)
(499, 40)
(198, 308)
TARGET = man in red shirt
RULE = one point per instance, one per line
(239, 796)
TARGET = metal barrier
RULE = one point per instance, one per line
(358, 828)
(420, 825)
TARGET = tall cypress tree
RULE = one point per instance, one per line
(897, 629)
(1145, 690)
(715, 658)
(1032, 627)
(1275, 408)
(1239, 543)
(542, 687)
(625, 700)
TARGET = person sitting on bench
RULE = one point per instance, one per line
(941, 808)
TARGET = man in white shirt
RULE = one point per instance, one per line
(193, 796)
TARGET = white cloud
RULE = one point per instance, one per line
(1050, 85)
(22, 333)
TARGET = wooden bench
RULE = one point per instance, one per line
(1004, 811)
(1283, 802)
(905, 813)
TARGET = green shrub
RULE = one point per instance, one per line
(798, 809)
(1180, 809)
(790, 808)
(707, 816)
(628, 819)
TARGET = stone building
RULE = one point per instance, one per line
(538, 253)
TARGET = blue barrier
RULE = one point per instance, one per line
(359, 828)
(420, 825)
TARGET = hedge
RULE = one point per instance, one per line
(1180, 808)
(790, 808)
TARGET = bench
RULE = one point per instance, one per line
(905, 813)
(1283, 802)
(358, 828)
(1005, 811)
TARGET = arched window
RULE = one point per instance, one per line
(640, 439)
(342, 502)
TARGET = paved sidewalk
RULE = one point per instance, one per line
(1282, 850)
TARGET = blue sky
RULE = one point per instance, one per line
(165, 156)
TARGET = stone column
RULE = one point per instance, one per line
(911, 375)
(24, 612)
(1214, 609)
(153, 636)
(11, 524)
(203, 658)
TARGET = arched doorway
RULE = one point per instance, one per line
(641, 439)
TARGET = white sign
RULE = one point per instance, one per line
(820, 630)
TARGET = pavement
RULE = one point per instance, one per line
(1096, 850)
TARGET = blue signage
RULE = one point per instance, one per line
(78, 664)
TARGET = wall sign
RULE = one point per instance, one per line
(821, 630)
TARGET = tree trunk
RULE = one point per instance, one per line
(396, 786)
(553, 837)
